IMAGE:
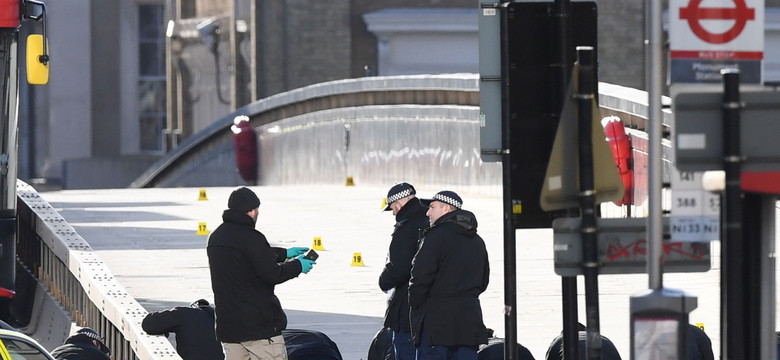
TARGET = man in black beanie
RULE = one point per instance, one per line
(244, 271)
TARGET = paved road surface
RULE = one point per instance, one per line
(148, 238)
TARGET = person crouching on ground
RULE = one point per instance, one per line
(194, 329)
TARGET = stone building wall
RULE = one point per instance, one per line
(621, 42)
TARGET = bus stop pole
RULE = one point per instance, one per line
(659, 316)
(733, 284)
(655, 151)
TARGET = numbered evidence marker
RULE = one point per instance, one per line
(202, 230)
(357, 259)
(317, 244)
(695, 211)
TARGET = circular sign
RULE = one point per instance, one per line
(740, 14)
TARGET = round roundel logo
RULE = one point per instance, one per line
(694, 14)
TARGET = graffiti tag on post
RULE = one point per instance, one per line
(622, 247)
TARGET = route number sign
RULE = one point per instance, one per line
(695, 212)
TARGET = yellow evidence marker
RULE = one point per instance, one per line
(202, 230)
(357, 259)
(317, 243)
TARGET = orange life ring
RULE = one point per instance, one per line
(620, 144)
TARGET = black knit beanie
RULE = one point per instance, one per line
(243, 199)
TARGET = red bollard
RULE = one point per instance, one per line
(245, 146)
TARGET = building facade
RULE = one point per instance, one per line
(132, 79)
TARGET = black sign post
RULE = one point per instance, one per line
(534, 78)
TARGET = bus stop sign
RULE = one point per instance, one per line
(706, 36)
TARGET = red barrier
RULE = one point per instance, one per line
(621, 151)
(6, 293)
(245, 147)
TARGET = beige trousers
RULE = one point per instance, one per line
(264, 349)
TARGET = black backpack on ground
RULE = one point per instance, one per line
(309, 345)
(494, 350)
(382, 345)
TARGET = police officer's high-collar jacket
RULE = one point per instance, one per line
(449, 272)
(410, 222)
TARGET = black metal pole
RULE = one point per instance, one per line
(732, 252)
(570, 344)
(510, 262)
(752, 225)
(510, 268)
(743, 238)
(589, 228)
(564, 61)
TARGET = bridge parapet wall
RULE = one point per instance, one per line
(421, 128)
(211, 148)
(434, 145)
(80, 284)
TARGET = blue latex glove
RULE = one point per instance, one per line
(295, 251)
(306, 264)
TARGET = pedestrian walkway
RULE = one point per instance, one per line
(149, 239)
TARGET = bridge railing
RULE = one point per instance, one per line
(80, 282)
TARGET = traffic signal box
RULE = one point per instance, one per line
(534, 95)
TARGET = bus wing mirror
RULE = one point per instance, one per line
(37, 60)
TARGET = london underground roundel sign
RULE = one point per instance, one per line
(716, 29)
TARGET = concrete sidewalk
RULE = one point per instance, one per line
(148, 238)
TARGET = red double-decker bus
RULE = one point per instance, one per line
(14, 16)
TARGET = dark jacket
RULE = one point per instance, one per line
(410, 222)
(449, 272)
(381, 347)
(79, 347)
(698, 345)
(194, 329)
(244, 271)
